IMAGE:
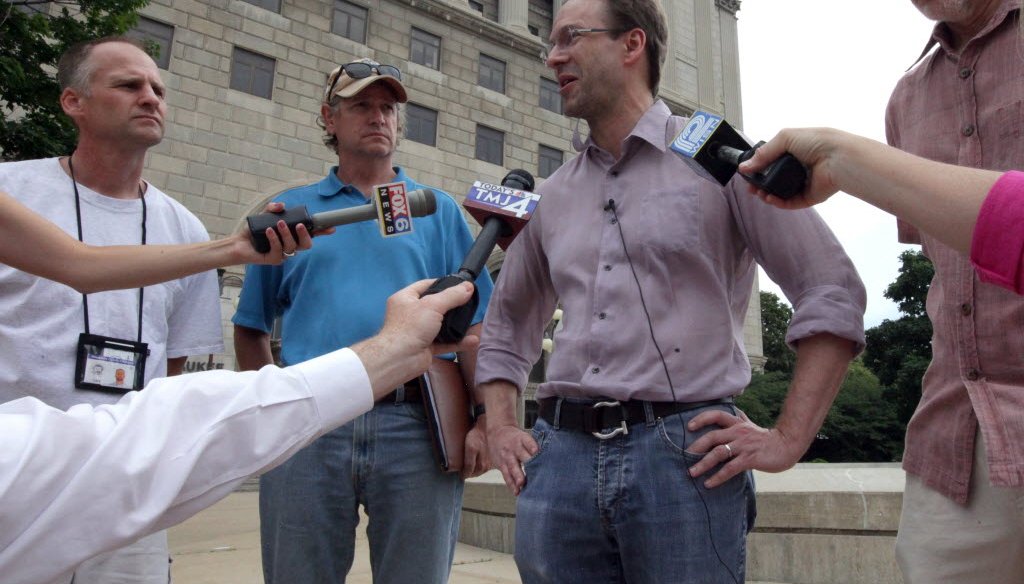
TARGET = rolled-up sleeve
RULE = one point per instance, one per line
(801, 254)
(997, 247)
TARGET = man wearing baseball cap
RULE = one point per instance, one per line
(327, 298)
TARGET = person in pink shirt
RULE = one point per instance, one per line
(974, 211)
(962, 103)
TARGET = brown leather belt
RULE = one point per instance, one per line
(612, 415)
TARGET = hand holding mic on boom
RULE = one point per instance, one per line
(394, 213)
(502, 211)
(714, 150)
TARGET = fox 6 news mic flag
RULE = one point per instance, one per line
(393, 212)
(502, 211)
(401, 207)
(714, 150)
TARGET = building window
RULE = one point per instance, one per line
(492, 73)
(490, 145)
(421, 124)
(478, 6)
(548, 161)
(425, 49)
(252, 73)
(349, 21)
(550, 99)
(156, 35)
(271, 5)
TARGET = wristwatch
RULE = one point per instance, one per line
(479, 410)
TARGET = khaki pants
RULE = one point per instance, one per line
(940, 541)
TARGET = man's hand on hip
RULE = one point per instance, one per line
(740, 445)
(510, 448)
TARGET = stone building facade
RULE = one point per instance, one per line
(245, 80)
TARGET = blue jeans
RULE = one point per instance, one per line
(383, 461)
(625, 510)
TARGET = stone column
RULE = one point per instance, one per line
(704, 19)
(513, 14)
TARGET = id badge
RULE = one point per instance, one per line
(109, 364)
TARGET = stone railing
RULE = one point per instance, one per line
(816, 523)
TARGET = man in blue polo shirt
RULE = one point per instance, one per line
(328, 298)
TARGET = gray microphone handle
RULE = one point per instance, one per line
(422, 202)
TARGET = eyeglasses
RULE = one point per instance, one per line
(568, 37)
(359, 70)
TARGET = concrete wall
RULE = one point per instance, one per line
(816, 524)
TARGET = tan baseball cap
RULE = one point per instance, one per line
(349, 79)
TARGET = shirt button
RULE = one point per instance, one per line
(965, 73)
(602, 316)
(595, 370)
(607, 267)
(968, 130)
(973, 374)
(966, 309)
(613, 221)
(614, 173)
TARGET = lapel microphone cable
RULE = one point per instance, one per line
(610, 206)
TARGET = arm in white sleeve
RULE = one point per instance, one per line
(77, 483)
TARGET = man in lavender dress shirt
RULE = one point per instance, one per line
(635, 469)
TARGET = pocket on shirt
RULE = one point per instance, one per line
(1009, 120)
(670, 222)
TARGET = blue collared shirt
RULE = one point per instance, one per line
(334, 294)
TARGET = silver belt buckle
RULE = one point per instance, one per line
(622, 429)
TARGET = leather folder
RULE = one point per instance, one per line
(446, 401)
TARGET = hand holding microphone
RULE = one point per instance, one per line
(502, 211)
(715, 150)
(394, 209)
(818, 149)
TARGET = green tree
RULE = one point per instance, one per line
(775, 317)
(33, 35)
(861, 426)
(762, 400)
(898, 351)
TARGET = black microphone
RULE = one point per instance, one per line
(421, 202)
(502, 212)
(710, 146)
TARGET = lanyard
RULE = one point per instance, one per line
(78, 215)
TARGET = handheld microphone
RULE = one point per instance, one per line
(419, 203)
(502, 212)
(710, 146)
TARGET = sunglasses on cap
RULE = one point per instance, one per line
(359, 70)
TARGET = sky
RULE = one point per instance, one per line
(832, 63)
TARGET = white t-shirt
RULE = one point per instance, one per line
(40, 320)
